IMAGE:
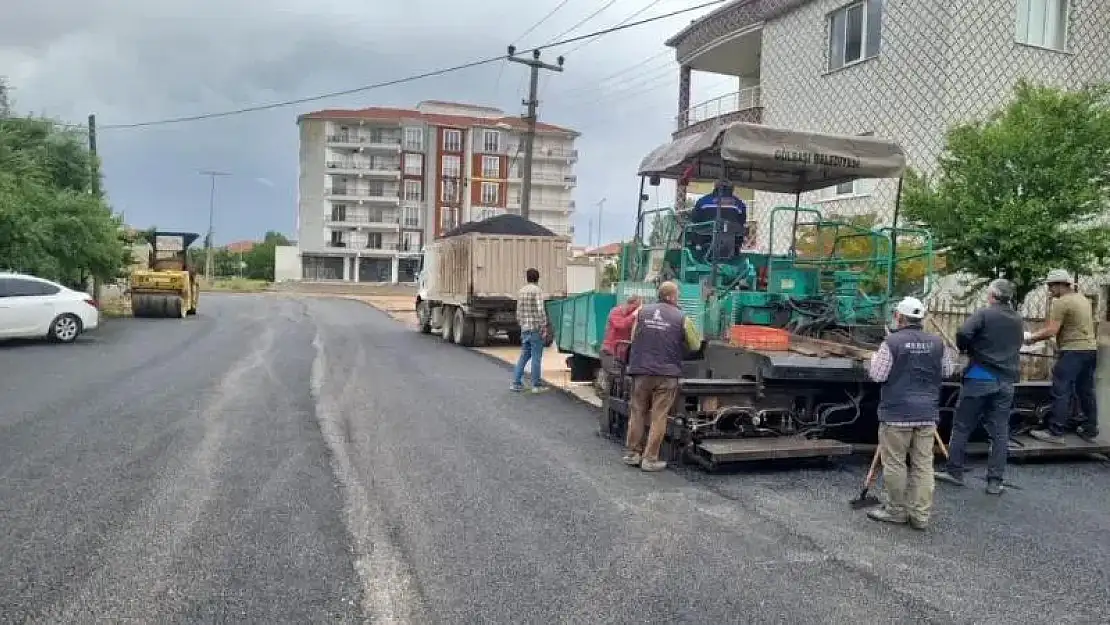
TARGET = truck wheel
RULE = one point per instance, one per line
(448, 318)
(481, 332)
(424, 318)
(463, 328)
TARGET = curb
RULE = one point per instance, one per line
(567, 390)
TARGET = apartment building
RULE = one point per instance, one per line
(376, 183)
(901, 69)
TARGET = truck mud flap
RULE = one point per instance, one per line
(714, 452)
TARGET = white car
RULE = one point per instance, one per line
(32, 308)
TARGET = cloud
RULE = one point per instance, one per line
(129, 62)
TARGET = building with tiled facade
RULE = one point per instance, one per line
(899, 69)
(376, 183)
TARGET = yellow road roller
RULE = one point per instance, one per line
(168, 286)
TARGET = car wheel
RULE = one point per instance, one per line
(65, 328)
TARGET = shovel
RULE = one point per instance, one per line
(865, 499)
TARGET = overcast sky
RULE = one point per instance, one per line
(140, 61)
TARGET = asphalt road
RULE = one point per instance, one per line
(280, 460)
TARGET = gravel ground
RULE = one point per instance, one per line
(310, 460)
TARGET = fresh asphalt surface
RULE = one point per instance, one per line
(289, 460)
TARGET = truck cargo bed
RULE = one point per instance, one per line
(490, 267)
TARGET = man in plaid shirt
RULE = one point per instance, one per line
(532, 318)
(911, 364)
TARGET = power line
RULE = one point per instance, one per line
(407, 79)
(584, 20)
(534, 26)
(594, 83)
(624, 21)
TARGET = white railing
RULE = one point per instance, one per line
(743, 100)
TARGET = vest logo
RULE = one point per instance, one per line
(918, 347)
(656, 321)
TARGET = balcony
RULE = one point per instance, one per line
(728, 40)
(388, 222)
(370, 169)
(547, 154)
(546, 178)
(740, 106)
(365, 142)
(564, 207)
(362, 196)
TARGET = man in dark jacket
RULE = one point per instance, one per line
(911, 364)
(661, 336)
(992, 339)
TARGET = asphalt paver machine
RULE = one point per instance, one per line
(790, 322)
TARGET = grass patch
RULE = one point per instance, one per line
(235, 285)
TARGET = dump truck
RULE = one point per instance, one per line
(468, 283)
(791, 324)
(167, 287)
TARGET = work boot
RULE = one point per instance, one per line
(886, 515)
(1086, 434)
(653, 465)
(1047, 436)
(540, 389)
(994, 487)
(516, 388)
(956, 479)
(632, 459)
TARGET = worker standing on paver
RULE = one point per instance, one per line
(911, 364)
(532, 318)
(992, 339)
(661, 336)
(1071, 322)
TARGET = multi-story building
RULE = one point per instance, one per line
(376, 183)
(905, 70)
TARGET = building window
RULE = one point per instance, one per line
(374, 241)
(376, 214)
(491, 167)
(1043, 23)
(452, 167)
(414, 164)
(452, 141)
(410, 242)
(855, 33)
(448, 218)
(375, 188)
(339, 212)
(414, 191)
(856, 188)
(491, 141)
(450, 190)
(337, 239)
(411, 217)
(490, 193)
(414, 139)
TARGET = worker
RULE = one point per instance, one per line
(733, 226)
(618, 331)
(532, 318)
(1071, 323)
(661, 336)
(992, 339)
(911, 364)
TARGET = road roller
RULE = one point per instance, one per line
(168, 286)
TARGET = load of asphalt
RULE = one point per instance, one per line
(502, 224)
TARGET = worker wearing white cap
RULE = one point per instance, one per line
(911, 364)
(1071, 323)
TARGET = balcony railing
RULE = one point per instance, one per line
(366, 140)
(546, 153)
(542, 205)
(546, 177)
(388, 167)
(358, 194)
(743, 100)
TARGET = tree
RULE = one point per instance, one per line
(260, 259)
(1022, 191)
(829, 241)
(50, 224)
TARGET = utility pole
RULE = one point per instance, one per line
(94, 185)
(530, 135)
(211, 216)
(600, 205)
